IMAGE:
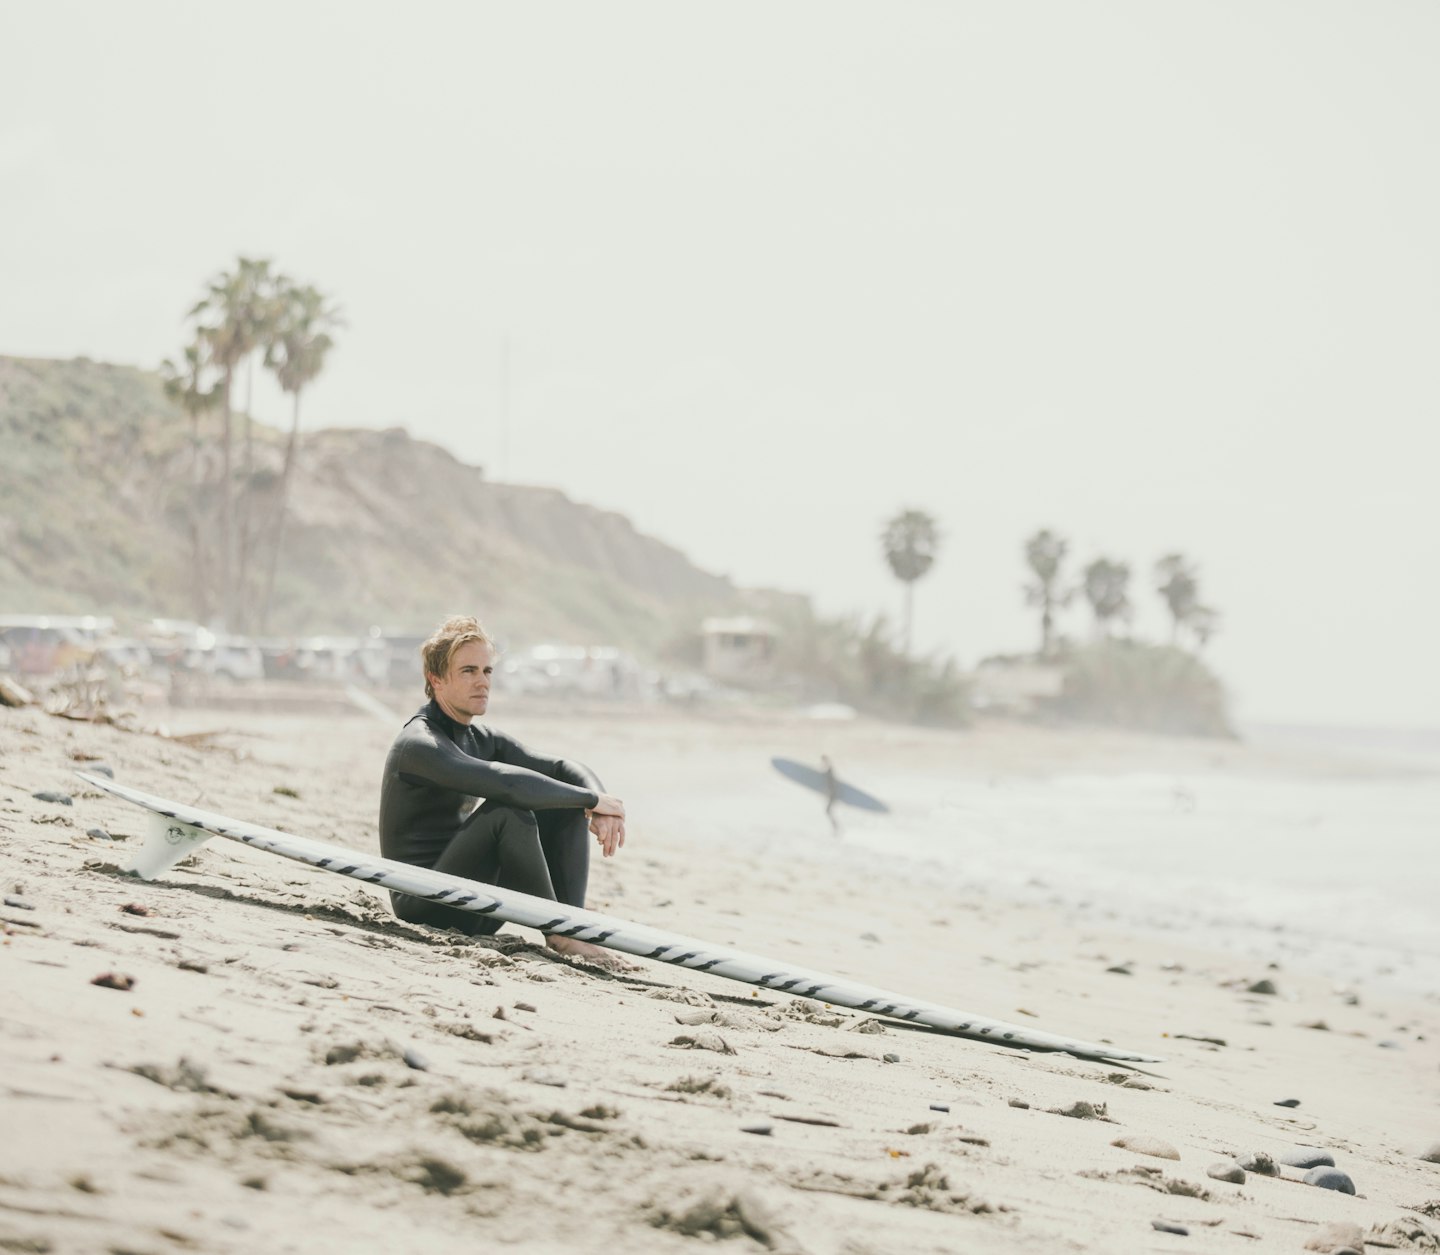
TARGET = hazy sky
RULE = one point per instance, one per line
(1158, 276)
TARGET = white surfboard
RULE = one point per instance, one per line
(177, 829)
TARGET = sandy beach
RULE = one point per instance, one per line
(292, 1069)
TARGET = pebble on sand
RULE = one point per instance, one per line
(20, 904)
(1165, 1226)
(414, 1059)
(1432, 1153)
(1330, 1179)
(114, 980)
(1265, 986)
(1143, 1144)
(1307, 1157)
(98, 834)
(48, 795)
(760, 1130)
(1288, 1102)
(1229, 1171)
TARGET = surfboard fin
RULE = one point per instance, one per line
(167, 841)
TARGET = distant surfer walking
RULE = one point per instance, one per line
(530, 831)
(832, 793)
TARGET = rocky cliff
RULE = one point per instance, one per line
(109, 503)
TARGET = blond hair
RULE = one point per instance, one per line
(435, 653)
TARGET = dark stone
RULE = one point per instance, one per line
(1288, 1102)
(1164, 1226)
(1307, 1157)
(940, 1106)
(46, 795)
(1265, 986)
(1330, 1179)
(760, 1130)
(890, 1058)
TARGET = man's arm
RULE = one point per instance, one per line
(425, 757)
(607, 816)
(509, 750)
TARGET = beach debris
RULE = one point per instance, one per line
(1406, 1232)
(703, 1041)
(137, 908)
(114, 980)
(1261, 1164)
(1228, 1170)
(1151, 1178)
(184, 1076)
(1121, 969)
(284, 790)
(760, 1130)
(722, 1212)
(873, 1027)
(19, 904)
(939, 1106)
(414, 1059)
(49, 795)
(1143, 1144)
(703, 1085)
(1082, 1110)
(1318, 1025)
(1431, 1154)
(918, 1128)
(1263, 986)
(13, 694)
(1307, 1157)
(1209, 1041)
(1287, 1102)
(1167, 1226)
(1336, 1235)
(930, 1188)
(1330, 1179)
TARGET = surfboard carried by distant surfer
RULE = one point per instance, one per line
(821, 782)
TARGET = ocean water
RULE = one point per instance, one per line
(1340, 873)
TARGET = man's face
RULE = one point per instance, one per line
(464, 691)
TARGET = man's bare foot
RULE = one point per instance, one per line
(587, 953)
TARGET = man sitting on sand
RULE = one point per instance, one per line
(530, 831)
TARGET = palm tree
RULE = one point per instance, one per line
(1044, 554)
(187, 386)
(1177, 581)
(910, 540)
(230, 320)
(296, 353)
(1106, 589)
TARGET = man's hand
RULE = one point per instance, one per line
(607, 822)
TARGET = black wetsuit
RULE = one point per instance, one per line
(529, 834)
